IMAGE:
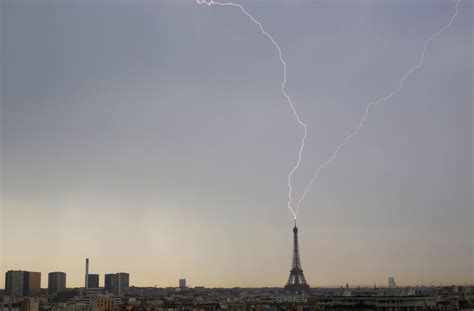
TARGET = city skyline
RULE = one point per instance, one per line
(60, 277)
(152, 138)
(22, 294)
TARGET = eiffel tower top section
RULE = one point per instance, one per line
(296, 280)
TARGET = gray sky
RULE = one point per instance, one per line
(152, 137)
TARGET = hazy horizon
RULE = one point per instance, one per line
(152, 138)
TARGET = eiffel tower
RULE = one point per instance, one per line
(296, 281)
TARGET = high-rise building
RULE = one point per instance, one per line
(182, 283)
(32, 285)
(123, 283)
(93, 280)
(117, 283)
(14, 283)
(109, 282)
(391, 282)
(56, 282)
(21, 283)
(296, 280)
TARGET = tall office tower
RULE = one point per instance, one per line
(117, 283)
(21, 283)
(123, 283)
(296, 280)
(391, 282)
(56, 282)
(14, 283)
(109, 282)
(32, 285)
(182, 283)
(93, 280)
(87, 274)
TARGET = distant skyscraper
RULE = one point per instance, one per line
(182, 283)
(93, 280)
(56, 282)
(117, 283)
(109, 282)
(123, 283)
(14, 283)
(296, 280)
(32, 285)
(391, 282)
(20, 283)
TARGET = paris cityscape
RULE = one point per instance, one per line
(23, 292)
(160, 155)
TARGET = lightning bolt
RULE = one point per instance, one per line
(303, 125)
(285, 94)
(379, 101)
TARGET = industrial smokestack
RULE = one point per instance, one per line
(87, 272)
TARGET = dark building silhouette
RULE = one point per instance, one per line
(296, 280)
(93, 280)
(124, 282)
(56, 282)
(22, 283)
(109, 282)
(117, 283)
(14, 283)
(32, 283)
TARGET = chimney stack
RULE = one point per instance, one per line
(87, 272)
